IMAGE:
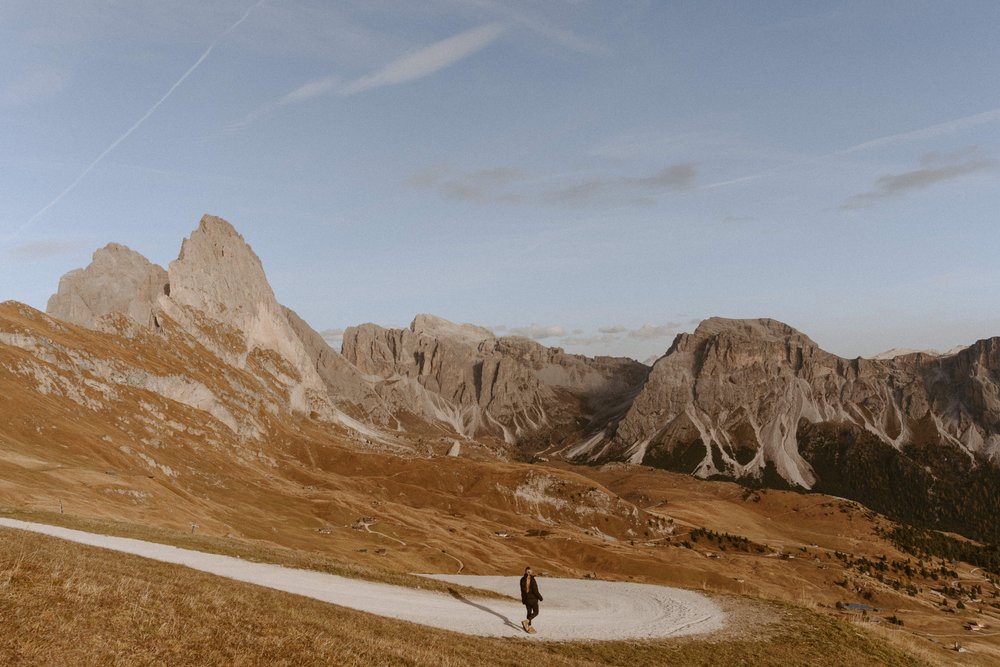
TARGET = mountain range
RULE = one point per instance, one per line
(202, 353)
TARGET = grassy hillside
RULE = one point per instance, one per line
(63, 603)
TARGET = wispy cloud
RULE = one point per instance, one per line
(649, 330)
(635, 191)
(616, 333)
(38, 83)
(304, 93)
(925, 133)
(428, 60)
(928, 133)
(536, 24)
(589, 341)
(410, 67)
(538, 331)
(44, 249)
(936, 169)
(509, 185)
(675, 177)
(333, 337)
(482, 186)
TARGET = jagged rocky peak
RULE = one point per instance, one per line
(118, 280)
(218, 273)
(511, 387)
(741, 397)
(438, 327)
(906, 351)
(746, 336)
(764, 329)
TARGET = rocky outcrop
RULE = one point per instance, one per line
(118, 280)
(218, 275)
(732, 399)
(480, 384)
(346, 386)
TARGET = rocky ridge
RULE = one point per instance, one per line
(483, 385)
(743, 399)
(728, 400)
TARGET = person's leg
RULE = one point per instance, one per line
(532, 610)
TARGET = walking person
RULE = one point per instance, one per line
(530, 597)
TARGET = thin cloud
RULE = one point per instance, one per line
(428, 60)
(649, 330)
(303, 93)
(589, 341)
(613, 329)
(37, 84)
(482, 186)
(930, 132)
(539, 331)
(898, 185)
(410, 67)
(41, 250)
(309, 90)
(676, 177)
(333, 336)
(509, 185)
(923, 134)
(561, 36)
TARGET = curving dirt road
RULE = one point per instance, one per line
(572, 609)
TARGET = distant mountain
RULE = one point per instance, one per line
(916, 435)
(902, 351)
(482, 385)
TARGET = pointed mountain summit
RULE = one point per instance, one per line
(218, 273)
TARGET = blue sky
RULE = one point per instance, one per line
(598, 175)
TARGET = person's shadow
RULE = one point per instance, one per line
(458, 596)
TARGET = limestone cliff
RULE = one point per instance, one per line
(734, 398)
(482, 384)
(118, 280)
(216, 292)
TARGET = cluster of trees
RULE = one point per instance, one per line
(930, 485)
(877, 569)
(725, 541)
(924, 543)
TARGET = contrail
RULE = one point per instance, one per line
(135, 126)
(930, 132)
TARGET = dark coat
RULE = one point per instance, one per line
(529, 590)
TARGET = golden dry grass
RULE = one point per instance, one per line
(66, 604)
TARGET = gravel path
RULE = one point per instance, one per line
(573, 609)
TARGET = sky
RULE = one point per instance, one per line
(599, 176)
